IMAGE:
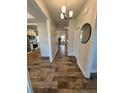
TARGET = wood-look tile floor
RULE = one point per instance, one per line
(61, 76)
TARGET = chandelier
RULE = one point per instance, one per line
(63, 13)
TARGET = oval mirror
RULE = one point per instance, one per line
(85, 33)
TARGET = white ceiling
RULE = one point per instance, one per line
(34, 13)
(54, 7)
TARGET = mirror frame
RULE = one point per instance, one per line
(89, 34)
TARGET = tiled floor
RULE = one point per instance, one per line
(61, 76)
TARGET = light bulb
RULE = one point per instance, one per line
(70, 14)
(63, 9)
(62, 16)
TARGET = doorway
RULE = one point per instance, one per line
(32, 38)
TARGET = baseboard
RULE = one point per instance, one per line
(82, 70)
(54, 54)
(29, 52)
(45, 58)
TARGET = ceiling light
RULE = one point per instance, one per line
(63, 13)
(86, 10)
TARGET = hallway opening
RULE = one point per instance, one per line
(62, 63)
(32, 38)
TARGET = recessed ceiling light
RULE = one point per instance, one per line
(86, 10)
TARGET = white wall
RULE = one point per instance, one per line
(53, 40)
(71, 37)
(51, 30)
(29, 86)
(82, 51)
(43, 39)
(60, 33)
(92, 67)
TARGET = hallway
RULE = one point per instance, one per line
(62, 50)
(61, 76)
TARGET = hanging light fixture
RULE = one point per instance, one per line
(63, 13)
